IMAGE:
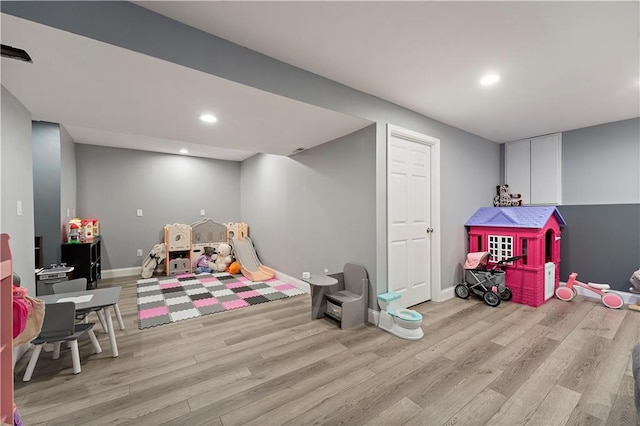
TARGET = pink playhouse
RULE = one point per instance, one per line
(529, 231)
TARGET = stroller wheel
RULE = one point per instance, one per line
(506, 295)
(462, 291)
(491, 299)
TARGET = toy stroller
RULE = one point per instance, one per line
(486, 283)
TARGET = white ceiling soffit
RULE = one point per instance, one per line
(106, 95)
(564, 65)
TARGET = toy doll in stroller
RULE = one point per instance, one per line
(487, 283)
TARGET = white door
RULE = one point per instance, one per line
(410, 228)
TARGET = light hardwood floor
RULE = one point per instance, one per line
(270, 364)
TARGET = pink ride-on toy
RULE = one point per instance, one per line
(609, 298)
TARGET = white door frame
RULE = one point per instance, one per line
(434, 143)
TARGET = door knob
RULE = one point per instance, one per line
(429, 230)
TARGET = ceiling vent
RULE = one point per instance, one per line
(15, 53)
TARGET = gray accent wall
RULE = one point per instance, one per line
(601, 203)
(47, 188)
(467, 180)
(113, 183)
(316, 209)
(16, 183)
(601, 243)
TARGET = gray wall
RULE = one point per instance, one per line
(600, 164)
(112, 183)
(601, 202)
(466, 181)
(16, 183)
(47, 189)
(67, 177)
(314, 210)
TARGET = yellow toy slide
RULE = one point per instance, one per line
(247, 258)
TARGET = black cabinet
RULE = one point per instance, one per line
(85, 258)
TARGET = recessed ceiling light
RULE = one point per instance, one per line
(184, 151)
(489, 79)
(208, 118)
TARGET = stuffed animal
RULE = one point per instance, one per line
(234, 268)
(222, 259)
(205, 260)
(504, 199)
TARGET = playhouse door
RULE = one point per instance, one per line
(409, 197)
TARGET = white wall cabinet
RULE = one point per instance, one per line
(533, 168)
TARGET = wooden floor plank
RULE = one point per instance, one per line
(556, 408)
(397, 414)
(623, 412)
(456, 398)
(479, 410)
(604, 382)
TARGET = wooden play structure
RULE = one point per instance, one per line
(207, 233)
(177, 239)
(532, 232)
(183, 244)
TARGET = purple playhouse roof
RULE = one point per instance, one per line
(515, 217)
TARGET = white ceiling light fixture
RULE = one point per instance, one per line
(489, 79)
(208, 118)
(184, 151)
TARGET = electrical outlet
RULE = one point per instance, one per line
(201, 212)
(326, 270)
(139, 253)
(139, 212)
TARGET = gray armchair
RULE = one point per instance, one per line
(349, 303)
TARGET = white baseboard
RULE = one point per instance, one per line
(374, 316)
(293, 281)
(122, 272)
(446, 294)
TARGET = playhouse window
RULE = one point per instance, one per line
(500, 247)
(525, 243)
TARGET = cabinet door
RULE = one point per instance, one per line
(546, 160)
(517, 172)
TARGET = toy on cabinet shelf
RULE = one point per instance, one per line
(81, 230)
(86, 226)
(74, 234)
(96, 227)
(504, 198)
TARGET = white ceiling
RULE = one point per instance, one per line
(106, 95)
(564, 65)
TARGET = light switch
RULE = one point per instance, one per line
(139, 253)
(139, 212)
(19, 208)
